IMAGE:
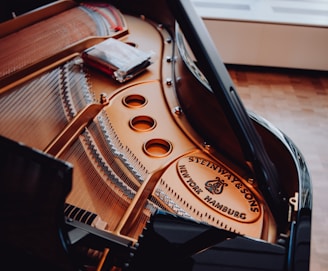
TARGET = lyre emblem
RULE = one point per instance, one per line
(215, 186)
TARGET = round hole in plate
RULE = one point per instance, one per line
(157, 147)
(142, 123)
(134, 101)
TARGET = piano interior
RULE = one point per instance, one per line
(157, 169)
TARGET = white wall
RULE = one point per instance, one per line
(264, 44)
(278, 33)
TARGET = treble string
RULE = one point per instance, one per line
(30, 103)
(94, 190)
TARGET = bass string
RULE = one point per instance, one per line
(33, 43)
(117, 17)
(36, 42)
(108, 16)
(103, 15)
(102, 25)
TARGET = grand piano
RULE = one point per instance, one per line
(125, 146)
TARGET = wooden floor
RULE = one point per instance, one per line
(296, 102)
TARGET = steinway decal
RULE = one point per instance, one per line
(215, 186)
(219, 189)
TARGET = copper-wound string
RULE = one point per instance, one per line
(101, 25)
(36, 42)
